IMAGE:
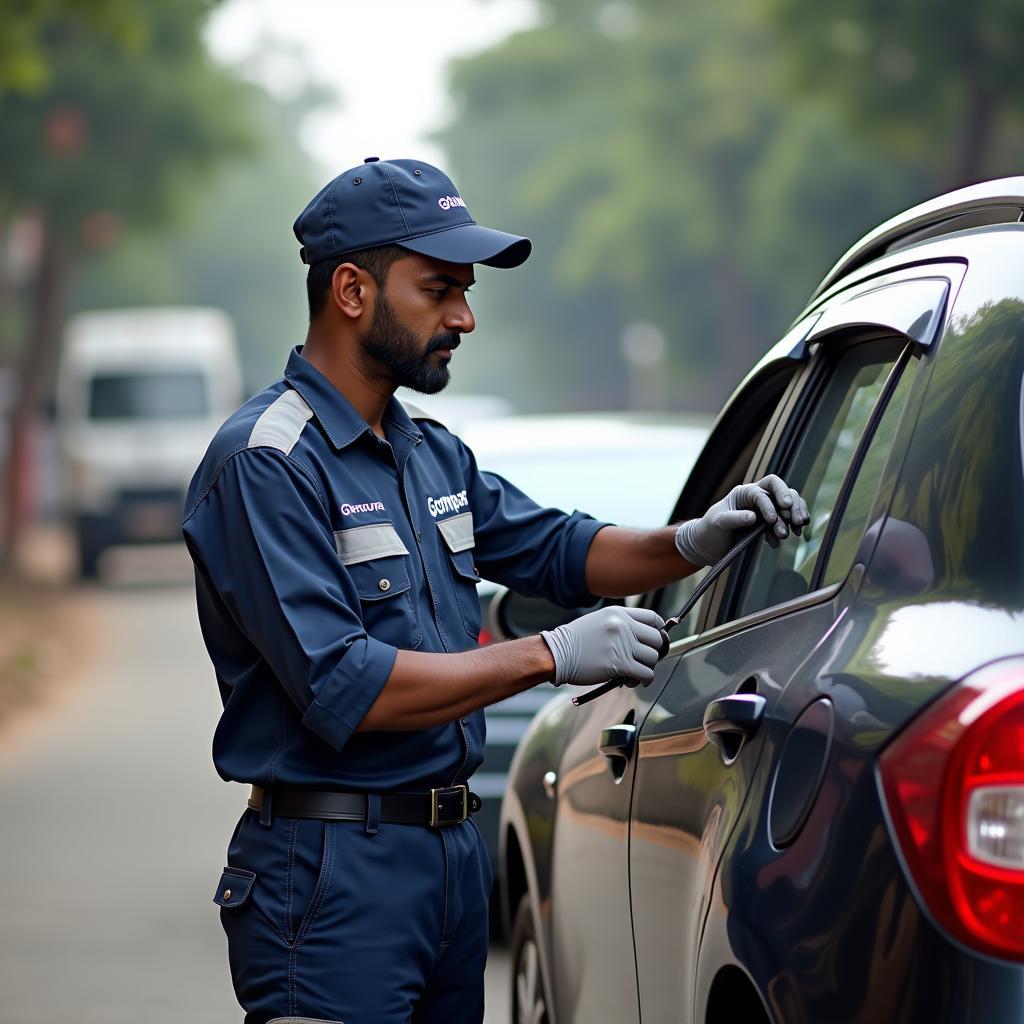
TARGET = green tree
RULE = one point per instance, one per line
(25, 60)
(665, 176)
(234, 250)
(941, 81)
(114, 135)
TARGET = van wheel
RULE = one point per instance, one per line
(529, 1004)
(90, 548)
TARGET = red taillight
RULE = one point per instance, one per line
(954, 785)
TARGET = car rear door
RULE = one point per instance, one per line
(688, 790)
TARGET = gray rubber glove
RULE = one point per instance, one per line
(704, 541)
(610, 643)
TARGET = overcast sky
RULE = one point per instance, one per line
(385, 58)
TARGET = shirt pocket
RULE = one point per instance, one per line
(458, 541)
(378, 563)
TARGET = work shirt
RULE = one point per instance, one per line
(321, 549)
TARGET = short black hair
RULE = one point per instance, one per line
(376, 262)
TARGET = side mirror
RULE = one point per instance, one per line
(900, 558)
(513, 615)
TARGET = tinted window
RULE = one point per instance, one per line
(819, 463)
(863, 494)
(148, 395)
(672, 598)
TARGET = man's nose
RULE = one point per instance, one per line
(461, 319)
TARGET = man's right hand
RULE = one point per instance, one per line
(610, 643)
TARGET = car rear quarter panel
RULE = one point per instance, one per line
(829, 927)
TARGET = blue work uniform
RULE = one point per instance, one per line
(320, 550)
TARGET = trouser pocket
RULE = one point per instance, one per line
(233, 888)
(291, 863)
(309, 876)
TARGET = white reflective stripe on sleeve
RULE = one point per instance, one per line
(281, 423)
(363, 543)
(457, 531)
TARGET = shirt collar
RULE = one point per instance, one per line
(399, 418)
(333, 410)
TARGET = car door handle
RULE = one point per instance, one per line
(730, 721)
(618, 740)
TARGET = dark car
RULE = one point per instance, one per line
(815, 813)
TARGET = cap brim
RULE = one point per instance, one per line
(471, 243)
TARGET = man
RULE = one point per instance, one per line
(337, 540)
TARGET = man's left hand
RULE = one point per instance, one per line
(704, 541)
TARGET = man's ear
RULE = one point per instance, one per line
(352, 289)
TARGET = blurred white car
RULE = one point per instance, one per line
(607, 464)
(457, 409)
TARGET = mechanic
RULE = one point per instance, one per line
(337, 539)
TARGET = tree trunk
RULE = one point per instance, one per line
(740, 340)
(35, 375)
(977, 135)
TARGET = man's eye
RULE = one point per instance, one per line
(439, 293)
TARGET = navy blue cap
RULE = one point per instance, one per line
(400, 202)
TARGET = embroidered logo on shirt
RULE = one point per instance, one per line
(373, 506)
(447, 503)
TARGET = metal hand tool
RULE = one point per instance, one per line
(716, 570)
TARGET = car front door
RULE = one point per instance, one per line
(699, 747)
(592, 942)
(591, 937)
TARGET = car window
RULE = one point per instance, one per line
(177, 393)
(817, 468)
(725, 461)
(672, 598)
(862, 498)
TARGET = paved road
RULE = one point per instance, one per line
(114, 828)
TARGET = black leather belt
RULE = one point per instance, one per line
(435, 807)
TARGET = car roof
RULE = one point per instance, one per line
(142, 335)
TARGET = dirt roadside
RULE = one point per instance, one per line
(47, 630)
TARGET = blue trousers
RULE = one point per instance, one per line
(328, 922)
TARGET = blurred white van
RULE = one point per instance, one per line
(140, 393)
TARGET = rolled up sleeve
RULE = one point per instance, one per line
(529, 548)
(262, 540)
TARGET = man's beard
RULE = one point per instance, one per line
(391, 344)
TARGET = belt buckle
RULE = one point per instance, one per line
(440, 798)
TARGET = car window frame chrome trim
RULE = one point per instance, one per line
(842, 314)
(725, 629)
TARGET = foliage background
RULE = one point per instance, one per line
(701, 169)
(687, 173)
